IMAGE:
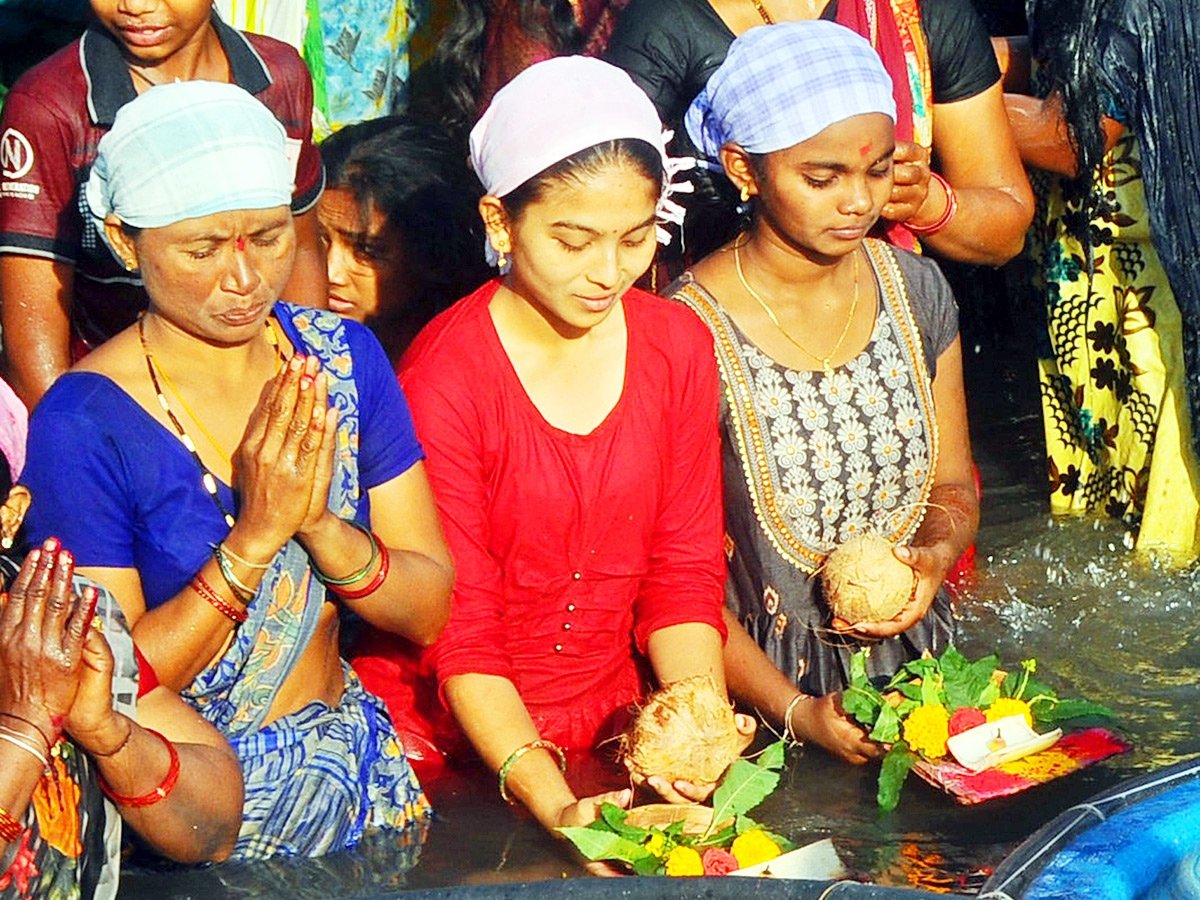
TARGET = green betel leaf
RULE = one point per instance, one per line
(614, 817)
(1066, 710)
(887, 726)
(892, 774)
(744, 786)
(772, 756)
(931, 694)
(744, 824)
(965, 682)
(604, 845)
(781, 842)
(648, 865)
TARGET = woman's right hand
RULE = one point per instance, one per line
(822, 721)
(584, 812)
(278, 467)
(42, 629)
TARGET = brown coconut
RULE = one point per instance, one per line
(685, 731)
(864, 582)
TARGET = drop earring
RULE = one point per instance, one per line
(745, 194)
(502, 248)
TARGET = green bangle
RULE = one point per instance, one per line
(515, 757)
(240, 589)
(361, 573)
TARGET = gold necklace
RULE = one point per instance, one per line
(823, 360)
(272, 339)
(762, 11)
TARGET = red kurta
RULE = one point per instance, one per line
(570, 550)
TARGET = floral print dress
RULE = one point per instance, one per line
(1110, 365)
(811, 460)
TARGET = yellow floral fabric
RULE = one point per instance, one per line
(1111, 367)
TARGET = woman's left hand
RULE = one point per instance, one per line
(681, 791)
(92, 721)
(910, 185)
(930, 565)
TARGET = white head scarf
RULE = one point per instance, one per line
(558, 107)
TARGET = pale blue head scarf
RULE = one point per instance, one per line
(189, 149)
(782, 84)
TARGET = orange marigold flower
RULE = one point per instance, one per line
(927, 729)
(1009, 706)
(754, 847)
(684, 861)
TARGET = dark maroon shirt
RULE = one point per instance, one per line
(53, 120)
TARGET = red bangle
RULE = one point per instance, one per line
(944, 220)
(223, 606)
(10, 828)
(159, 793)
(375, 582)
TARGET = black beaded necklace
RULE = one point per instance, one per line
(206, 477)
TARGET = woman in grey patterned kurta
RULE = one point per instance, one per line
(843, 405)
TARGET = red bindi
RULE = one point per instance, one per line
(240, 244)
(864, 149)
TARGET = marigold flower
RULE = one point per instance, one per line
(927, 729)
(719, 862)
(965, 718)
(684, 861)
(1009, 706)
(754, 847)
(656, 843)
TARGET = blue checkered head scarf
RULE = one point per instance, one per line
(189, 149)
(782, 84)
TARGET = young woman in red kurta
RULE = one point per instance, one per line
(570, 424)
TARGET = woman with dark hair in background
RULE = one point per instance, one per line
(399, 224)
(1118, 247)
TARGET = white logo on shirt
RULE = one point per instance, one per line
(16, 156)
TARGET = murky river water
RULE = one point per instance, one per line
(1101, 623)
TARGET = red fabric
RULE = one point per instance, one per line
(854, 15)
(147, 677)
(571, 550)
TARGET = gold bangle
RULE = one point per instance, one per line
(515, 757)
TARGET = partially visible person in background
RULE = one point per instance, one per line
(1114, 124)
(62, 292)
(400, 227)
(489, 42)
(959, 186)
(356, 50)
(82, 715)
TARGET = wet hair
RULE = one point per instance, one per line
(1062, 35)
(412, 176)
(630, 152)
(452, 91)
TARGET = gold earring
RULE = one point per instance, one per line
(502, 248)
(745, 194)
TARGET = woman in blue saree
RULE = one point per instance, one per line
(231, 564)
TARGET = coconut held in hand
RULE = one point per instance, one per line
(864, 582)
(686, 731)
